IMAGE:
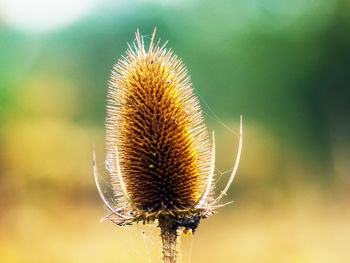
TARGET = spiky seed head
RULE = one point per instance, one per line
(155, 129)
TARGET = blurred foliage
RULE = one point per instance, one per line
(283, 65)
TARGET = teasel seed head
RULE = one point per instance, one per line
(155, 126)
(159, 154)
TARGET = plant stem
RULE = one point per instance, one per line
(170, 240)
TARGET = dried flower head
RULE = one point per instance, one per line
(158, 150)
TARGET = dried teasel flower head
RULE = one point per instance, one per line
(158, 150)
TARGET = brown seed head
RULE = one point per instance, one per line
(155, 129)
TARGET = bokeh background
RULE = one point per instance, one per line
(283, 65)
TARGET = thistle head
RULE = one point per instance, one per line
(158, 150)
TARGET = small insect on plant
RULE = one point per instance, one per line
(159, 155)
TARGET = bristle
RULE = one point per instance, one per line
(155, 128)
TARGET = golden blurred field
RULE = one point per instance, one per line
(52, 214)
(294, 231)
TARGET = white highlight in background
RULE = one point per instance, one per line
(43, 15)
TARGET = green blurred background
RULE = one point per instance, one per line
(283, 65)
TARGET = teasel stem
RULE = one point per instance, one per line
(170, 240)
